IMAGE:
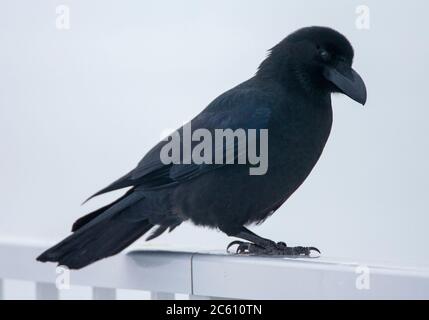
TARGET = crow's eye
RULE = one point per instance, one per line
(324, 55)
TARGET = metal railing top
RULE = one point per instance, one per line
(223, 275)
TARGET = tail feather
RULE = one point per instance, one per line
(105, 234)
(158, 231)
(102, 240)
(122, 182)
(91, 216)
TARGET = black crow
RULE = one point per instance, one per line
(290, 96)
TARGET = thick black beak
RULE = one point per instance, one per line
(347, 80)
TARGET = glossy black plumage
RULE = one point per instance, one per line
(290, 95)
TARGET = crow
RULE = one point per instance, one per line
(290, 97)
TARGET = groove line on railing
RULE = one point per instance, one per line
(192, 272)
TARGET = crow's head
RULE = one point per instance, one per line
(318, 59)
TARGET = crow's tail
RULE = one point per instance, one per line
(103, 234)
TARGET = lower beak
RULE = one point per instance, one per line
(347, 80)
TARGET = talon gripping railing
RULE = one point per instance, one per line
(216, 275)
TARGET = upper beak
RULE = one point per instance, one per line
(347, 80)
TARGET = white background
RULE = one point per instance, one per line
(80, 107)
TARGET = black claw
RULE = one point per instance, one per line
(242, 248)
(232, 244)
(314, 249)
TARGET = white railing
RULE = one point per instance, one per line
(213, 275)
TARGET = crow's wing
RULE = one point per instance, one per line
(246, 108)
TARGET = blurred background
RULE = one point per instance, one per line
(79, 107)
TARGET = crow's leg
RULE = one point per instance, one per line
(262, 246)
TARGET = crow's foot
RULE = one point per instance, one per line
(270, 248)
